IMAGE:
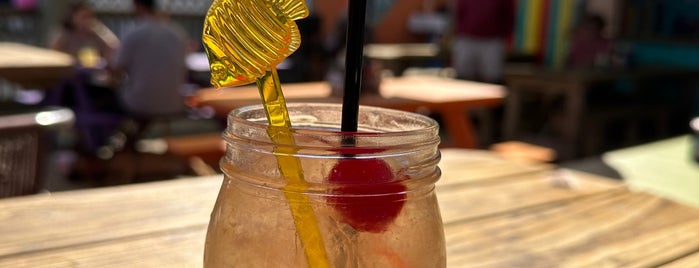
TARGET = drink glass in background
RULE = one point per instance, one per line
(389, 220)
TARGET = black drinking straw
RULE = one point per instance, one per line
(353, 59)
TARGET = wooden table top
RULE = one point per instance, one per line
(496, 214)
(32, 66)
(399, 51)
(407, 93)
(447, 97)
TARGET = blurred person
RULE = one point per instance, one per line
(88, 91)
(152, 60)
(334, 47)
(480, 30)
(92, 45)
(588, 46)
(85, 38)
(151, 65)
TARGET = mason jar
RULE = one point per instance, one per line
(319, 197)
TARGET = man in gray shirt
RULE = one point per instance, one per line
(152, 57)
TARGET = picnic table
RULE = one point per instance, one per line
(33, 67)
(451, 99)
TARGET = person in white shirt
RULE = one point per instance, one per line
(152, 57)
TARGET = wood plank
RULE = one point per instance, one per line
(178, 248)
(63, 219)
(467, 166)
(507, 194)
(81, 217)
(182, 248)
(618, 229)
(60, 228)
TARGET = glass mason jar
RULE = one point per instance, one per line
(364, 199)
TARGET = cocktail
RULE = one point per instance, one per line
(314, 185)
(373, 203)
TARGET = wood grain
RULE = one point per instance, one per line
(688, 261)
(616, 229)
(176, 248)
(82, 217)
(496, 213)
(512, 193)
(467, 166)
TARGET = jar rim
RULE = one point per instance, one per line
(412, 125)
(407, 140)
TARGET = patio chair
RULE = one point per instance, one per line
(23, 148)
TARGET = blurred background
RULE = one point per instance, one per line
(638, 61)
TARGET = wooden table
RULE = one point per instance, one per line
(573, 85)
(496, 214)
(450, 98)
(32, 66)
(398, 57)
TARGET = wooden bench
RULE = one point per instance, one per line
(203, 151)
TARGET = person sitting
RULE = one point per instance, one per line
(588, 46)
(92, 45)
(152, 62)
(85, 38)
(88, 91)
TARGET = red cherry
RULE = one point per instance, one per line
(369, 196)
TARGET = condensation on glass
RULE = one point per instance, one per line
(364, 222)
